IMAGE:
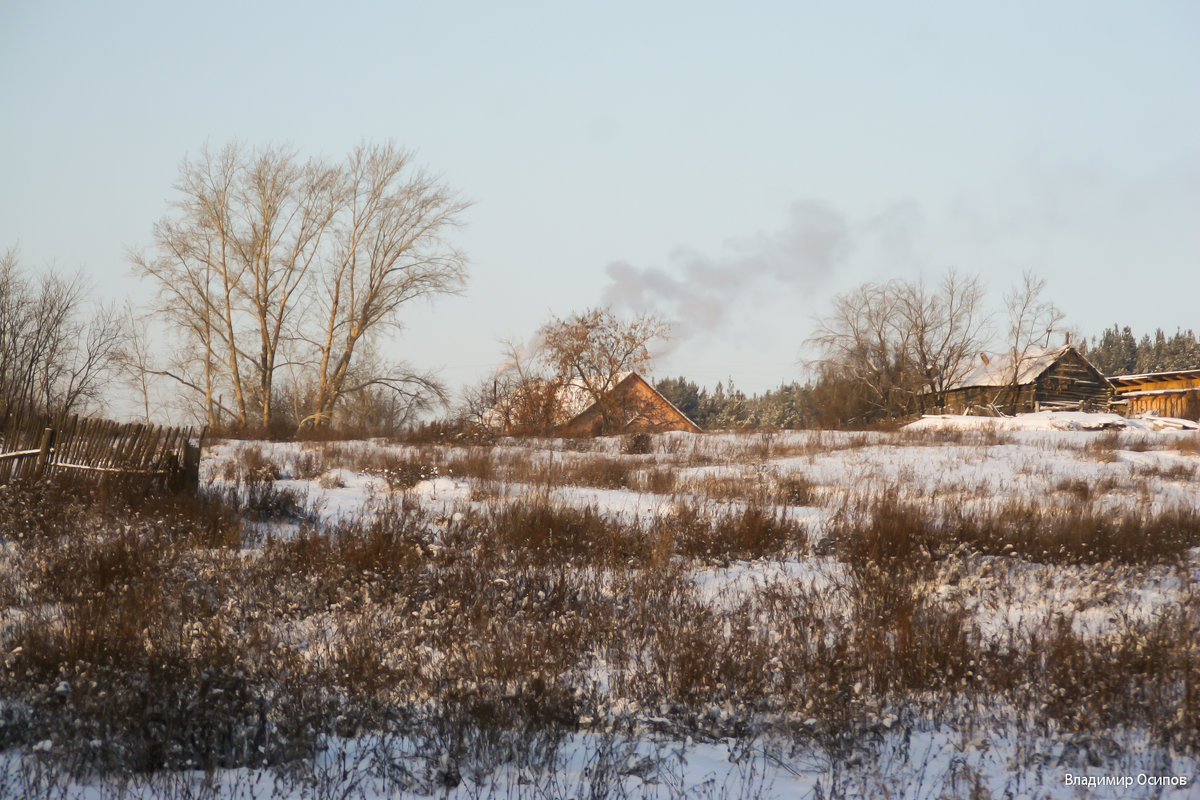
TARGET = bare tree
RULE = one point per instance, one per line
(390, 247)
(53, 356)
(284, 208)
(901, 343)
(519, 398)
(595, 350)
(137, 363)
(198, 275)
(95, 355)
(947, 328)
(270, 264)
(865, 342)
(1032, 321)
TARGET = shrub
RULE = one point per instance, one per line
(796, 490)
(604, 473)
(752, 532)
(542, 533)
(1080, 534)
(637, 444)
(888, 532)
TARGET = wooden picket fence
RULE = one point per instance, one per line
(33, 445)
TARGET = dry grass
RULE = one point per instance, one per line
(751, 532)
(1183, 473)
(1187, 444)
(888, 527)
(1105, 447)
(660, 480)
(143, 626)
(1081, 534)
(1084, 491)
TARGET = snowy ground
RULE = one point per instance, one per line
(948, 463)
(1041, 458)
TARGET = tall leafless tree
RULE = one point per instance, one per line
(389, 247)
(520, 397)
(269, 265)
(948, 327)
(865, 342)
(1032, 322)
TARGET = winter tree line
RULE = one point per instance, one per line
(891, 349)
(279, 277)
(1118, 352)
(818, 404)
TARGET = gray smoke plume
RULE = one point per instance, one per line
(697, 291)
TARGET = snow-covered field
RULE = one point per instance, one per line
(910, 717)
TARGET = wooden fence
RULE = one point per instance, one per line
(34, 445)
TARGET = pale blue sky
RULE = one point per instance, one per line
(739, 164)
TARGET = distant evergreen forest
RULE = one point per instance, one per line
(794, 405)
(789, 406)
(1118, 352)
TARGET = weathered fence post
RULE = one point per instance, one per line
(44, 449)
(191, 465)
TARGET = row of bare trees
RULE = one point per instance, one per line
(897, 347)
(885, 350)
(278, 277)
(56, 352)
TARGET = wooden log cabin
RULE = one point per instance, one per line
(1057, 379)
(1164, 394)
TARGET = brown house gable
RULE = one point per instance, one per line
(633, 406)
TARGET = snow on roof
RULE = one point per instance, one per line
(1051, 421)
(1152, 376)
(998, 370)
(1151, 392)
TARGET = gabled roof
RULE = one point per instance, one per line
(998, 370)
(572, 405)
(652, 412)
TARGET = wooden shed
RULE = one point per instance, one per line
(1166, 394)
(1043, 380)
(633, 406)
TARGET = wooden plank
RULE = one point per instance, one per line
(19, 454)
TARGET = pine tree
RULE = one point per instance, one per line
(1117, 352)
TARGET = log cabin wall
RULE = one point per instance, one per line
(1165, 394)
(981, 399)
(1072, 383)
(1184, 404)
(1068, 381)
